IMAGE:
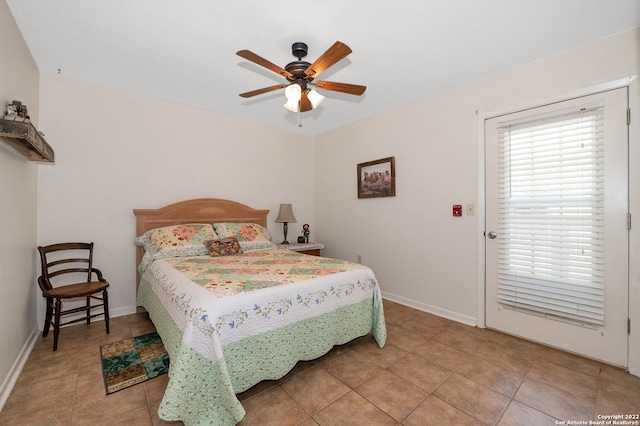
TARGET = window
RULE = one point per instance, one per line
(551, 214)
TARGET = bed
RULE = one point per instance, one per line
(233, 309)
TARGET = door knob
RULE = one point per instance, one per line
(492, 235)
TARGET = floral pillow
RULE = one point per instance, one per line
(251, 236)
(223, 246)
(177, 240)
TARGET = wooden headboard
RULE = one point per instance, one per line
(200, 210)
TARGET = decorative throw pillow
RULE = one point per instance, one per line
(177, 240)
(181, 235)
(251, 236)
(223, 246)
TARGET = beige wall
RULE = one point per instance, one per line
(422, 255)
(18, 189)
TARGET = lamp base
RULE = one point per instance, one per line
(285, 227)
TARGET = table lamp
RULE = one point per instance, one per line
(285, 216)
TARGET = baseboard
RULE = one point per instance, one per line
(454, 316)
(16, 368)
(127, 310)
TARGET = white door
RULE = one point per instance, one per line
(556, 225)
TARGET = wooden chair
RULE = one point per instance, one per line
(74, 261)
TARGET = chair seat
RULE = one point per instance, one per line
(76, 290)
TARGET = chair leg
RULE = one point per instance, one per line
(105, 301)
(47, 318)
(56, 324)
(88, 310)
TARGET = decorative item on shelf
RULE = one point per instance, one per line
(301, 240)
(285, 216)
(12, 111)
(16, 111)
(305, 232)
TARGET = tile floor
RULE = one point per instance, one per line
(432, 371)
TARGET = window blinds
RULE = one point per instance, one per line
(551, 215)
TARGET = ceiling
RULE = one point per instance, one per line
(184, 50)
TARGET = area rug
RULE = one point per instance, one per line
(132, 361)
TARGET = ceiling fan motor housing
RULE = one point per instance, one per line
(298, 67)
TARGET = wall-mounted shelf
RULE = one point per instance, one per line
(25, 138)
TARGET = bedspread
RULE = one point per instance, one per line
(229, 322)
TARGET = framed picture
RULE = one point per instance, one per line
(377, 178)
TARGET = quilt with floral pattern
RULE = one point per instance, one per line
(229, 322)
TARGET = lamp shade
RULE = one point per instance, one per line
(292, 106)
(315, 98)
(293, 93)
(285, 215)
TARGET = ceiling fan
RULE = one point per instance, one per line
(300, 74)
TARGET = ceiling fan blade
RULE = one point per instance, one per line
(263, 90)
(250, 56)
(305, 103)
(352, 89)
(334, 54)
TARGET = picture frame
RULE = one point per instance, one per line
(377, 178)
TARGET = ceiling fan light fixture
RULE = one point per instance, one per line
(315, 98)
(293, 92)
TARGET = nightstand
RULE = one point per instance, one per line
(306, 248)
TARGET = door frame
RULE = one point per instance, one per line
(481, 214)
